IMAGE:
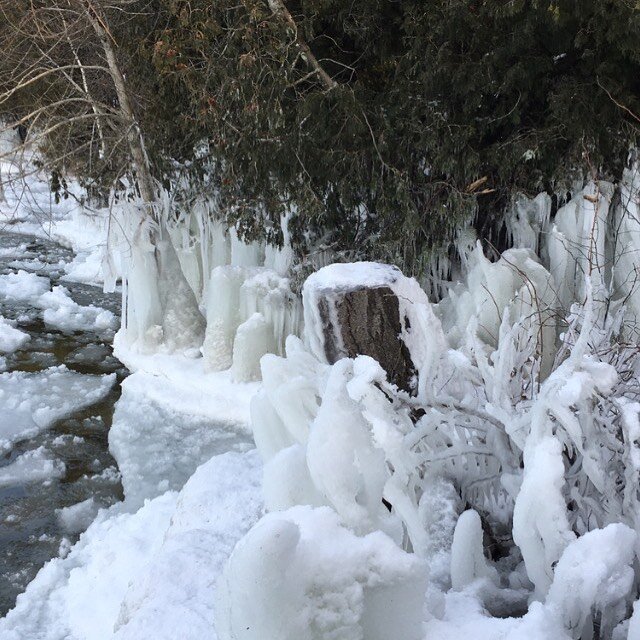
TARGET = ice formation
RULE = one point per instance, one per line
(301, 575)
(172, 416)
(510, 471)
(196, 261)
(467, 552)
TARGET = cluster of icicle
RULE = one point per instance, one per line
(193, 286)
(511, 476)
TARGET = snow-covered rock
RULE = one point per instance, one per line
(367, 308)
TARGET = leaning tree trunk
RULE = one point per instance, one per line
(182, 323)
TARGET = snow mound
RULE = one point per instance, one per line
(174, 596)
(78, 597)
(301, 575)
(32, 466)
(32, 402)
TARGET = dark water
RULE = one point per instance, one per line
(30, 530)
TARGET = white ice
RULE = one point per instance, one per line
(32, 466)
(22, 286)
(32, 402)
(77, 517)
(62, 313)
(11, 339)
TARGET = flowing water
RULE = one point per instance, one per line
(31, 527)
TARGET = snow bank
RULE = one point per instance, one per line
(301, 575)
(78, 597)
(174, 596)
(148, 574)
(32, 402)
(171, 417)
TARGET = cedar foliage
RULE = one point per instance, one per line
(430, 98)
(440, 112)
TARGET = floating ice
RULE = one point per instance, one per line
(77, 517)
(61, 312)
(23, 286)
(32, 466)
(32, 402)
(11, 339)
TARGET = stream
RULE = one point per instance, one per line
(32, 527)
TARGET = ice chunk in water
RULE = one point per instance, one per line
(11, 339)
(78, 517)
(32, 466)
(32, 402)
(22, 286)
(61, 312)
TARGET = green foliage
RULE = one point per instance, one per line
(431, 97)
(440, 112)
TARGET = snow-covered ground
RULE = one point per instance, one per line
(366, 512)
(150, 573)
(30, 208)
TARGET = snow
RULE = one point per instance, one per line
(301, 575)
(175, 594)
(79, 596)
(11, 339)
(32, 466)
(602, 584)
(148, 574)
(32, 402)
(158, 445)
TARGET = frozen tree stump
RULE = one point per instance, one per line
(354, 309)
